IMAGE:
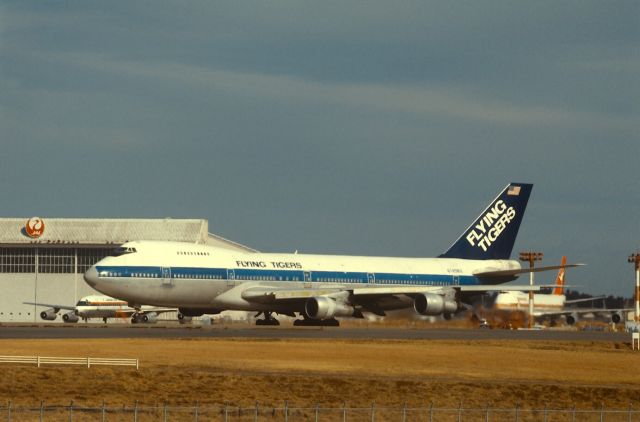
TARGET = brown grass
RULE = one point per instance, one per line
(330, 372)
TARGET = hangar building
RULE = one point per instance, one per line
(43, 260)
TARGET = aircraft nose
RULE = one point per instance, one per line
(91, 276)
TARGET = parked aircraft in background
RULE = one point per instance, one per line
(554, 305)
(202, 279)
(100, 307)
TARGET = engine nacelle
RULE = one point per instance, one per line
(49, 314)
(615, 318)
(572, 319)
(322, 307)
(184, 319)
(149, 317)
(70, 317)
(434, 304)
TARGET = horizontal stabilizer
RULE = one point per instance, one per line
(499, 288)
(503, 273)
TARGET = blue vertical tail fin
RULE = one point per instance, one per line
(494, 232)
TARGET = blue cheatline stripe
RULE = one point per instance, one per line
(198, 273)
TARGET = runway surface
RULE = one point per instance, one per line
(59, 331)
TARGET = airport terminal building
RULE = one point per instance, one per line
(43, 259)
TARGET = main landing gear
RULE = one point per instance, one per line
(268, 319)
(139, 318)
(309, 322)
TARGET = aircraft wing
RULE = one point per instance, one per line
(129, 312)
(500, 273)
(580, 311)
(268, 294)
(58, 307)
(588, 299)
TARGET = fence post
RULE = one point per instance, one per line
(104, 415)
(226, 411)
(135, 411)
(41, 410)
(517, 411)
(404, 412)
(373, 411)
(460, 412)
(165, 411)
(9, 411)
(38, 361)
(88, 362)
(344, 411)
(197, 404)
(255, 415)
(545, 412)
(629, 412)
(573, 415)
(286, 411)
(71, 411)
(486, 417)
(431, 412)
(602, 412)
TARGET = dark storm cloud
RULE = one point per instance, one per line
(364, 128)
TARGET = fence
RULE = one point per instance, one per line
(257, 413)
(47, 360)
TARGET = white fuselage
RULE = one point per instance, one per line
(204, 277)
(519, 301)
(102, 307)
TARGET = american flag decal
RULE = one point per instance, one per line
(513, 190)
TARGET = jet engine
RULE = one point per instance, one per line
(49, 314)
(322, 307)
(615, 317)
(70, 317)
(149, 317)
(571, 319)
(434, 304)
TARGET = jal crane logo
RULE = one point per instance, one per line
(34, 227)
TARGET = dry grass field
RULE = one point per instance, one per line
(331, 372)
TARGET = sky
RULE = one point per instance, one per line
(344, 127)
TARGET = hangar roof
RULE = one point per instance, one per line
(110, 231)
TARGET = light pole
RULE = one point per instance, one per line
(635, 259)
(531, 257)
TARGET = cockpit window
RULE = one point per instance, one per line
(123, 251)
(82, 303)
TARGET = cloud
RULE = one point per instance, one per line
(421, 100)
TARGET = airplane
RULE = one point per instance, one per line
(201, 279)
(550, 306)
(104, 307)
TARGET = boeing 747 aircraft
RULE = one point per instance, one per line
(104, 307)
(201, 279)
